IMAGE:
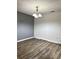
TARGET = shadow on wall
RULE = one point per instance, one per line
(25, 26)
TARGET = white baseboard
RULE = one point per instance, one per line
(38, 38)
(48, 40)
(25, 39)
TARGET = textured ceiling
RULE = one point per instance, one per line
(45, 6)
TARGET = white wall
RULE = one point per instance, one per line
(48, 27)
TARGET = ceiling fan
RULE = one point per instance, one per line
(37, 14)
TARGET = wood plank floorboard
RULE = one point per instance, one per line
(38, 49)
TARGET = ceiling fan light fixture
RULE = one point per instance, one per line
(40, 15)
(37, 14)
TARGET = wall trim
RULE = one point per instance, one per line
(25, 39)
(48, 40)
(38, 38)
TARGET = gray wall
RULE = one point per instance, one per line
(25, 26)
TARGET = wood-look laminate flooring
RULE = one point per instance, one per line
(38, 49)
